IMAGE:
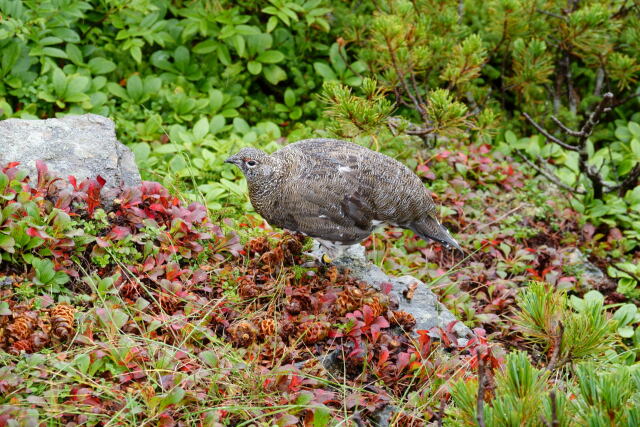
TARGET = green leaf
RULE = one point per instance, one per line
(321, 416)
(622, 133)
(101, 66)
(254, 67)
(7, 243)
(272, 23)
(59, 81)
(274, 74)
(635, 147)
(511, 138)
(174, 397)
(201, 128)
(270, 57)
(76, 85)
(82, 362)
(634, 128)
(135, 89)
(55, 52)
(289, 97)
(136, 54)
(4, 309)
(209, 357)
(205, 47)
(626, 331)
(217, 123)
(74, 53)
(324, 70)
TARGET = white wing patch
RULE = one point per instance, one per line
(344, 169)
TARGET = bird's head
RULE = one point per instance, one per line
(254, 164)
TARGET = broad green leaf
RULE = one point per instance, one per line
(205, 47)
(54, 52)
(289, 97)
(634, 128)
(274, 74)
(270, 57)
(101, 66)
(74, 53)
(82, 362)
(201, 128)
(254, 67)
(324, 71)
(135, 89)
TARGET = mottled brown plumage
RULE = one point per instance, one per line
(337, 192)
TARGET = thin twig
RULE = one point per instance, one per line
(547, 135)
(557, 343)
(624, 270)
(554, 15)
(564, 127)
(550, 175)
(594, 118)
(629, 182)
(555, 422)
(481, 386)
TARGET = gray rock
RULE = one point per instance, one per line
(83, 146)
(589, 275)
(424, 304)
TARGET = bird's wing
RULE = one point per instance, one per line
(325, 198)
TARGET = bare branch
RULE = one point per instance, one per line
(555, 422)
(594, 118)
(554, 15)
(564, 128)
(624, 270)
(550, 175)
(557, 343)
(547, 135)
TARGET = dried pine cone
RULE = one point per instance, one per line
(62, 321)
(20, 346)
(376, 306)
(287, 329)
(274, 350)
(403, 319)
(291, 246)
(248, 289)
(267, 327)
(347, 301)
(22, 326)
(272, 259)
(332, 274)
(243, 333)
(259, 245)
(312, 332)
(168, 302)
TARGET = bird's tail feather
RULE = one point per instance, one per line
(430, 228)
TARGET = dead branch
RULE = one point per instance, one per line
(564, 128)
(547, 135)
(557, 343)
(550, 175)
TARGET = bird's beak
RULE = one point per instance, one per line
(233, 160)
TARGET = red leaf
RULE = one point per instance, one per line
(386, 287)
(101, 181)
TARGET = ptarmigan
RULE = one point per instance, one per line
(337, 192)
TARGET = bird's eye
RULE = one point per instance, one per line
(251, 163)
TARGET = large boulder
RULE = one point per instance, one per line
(423, 304)
(83, 146)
